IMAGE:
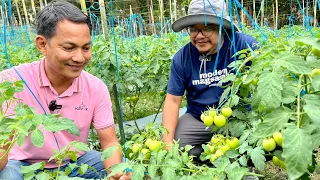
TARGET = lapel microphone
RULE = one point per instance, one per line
(53, 105)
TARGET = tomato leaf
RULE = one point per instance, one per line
(236, 128)
(297, 151)
(269, 89)
(117, 168)
(107, 153)
(32, 168)
(313, 112)
(243, 160)
(37, 138)
(152, 171)
(221, 163)
(273, 122)
(138, 171)
(168, 173)
(83, 168)
(316, 83)
(237, 173)
(293, 63)
(289, 92)
(257, 157)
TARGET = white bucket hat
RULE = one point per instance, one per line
(204, 11)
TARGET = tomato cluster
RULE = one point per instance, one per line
(212, 116)
(146, 148)
(269, 144)
(218, 146)
(132, 99)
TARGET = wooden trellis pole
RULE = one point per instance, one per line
(103, 18)
(18, 11)
(254, 11)
(83, 6)
(41, 4)
(25, 13)
(33, 8)
(276, 23)
(262, 14)
(314, 13)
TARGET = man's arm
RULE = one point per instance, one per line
(4, 160)
(170, 116)
(108, 139)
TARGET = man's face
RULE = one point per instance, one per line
(68, 51)
(204, 38)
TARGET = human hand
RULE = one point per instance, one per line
(121, 176)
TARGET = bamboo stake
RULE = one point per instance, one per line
(262, 14)
(25, 12)
(83, 6)
(314, 13)
(277, 11)
(18, 11)
(152, 18)
(45, 2)
(273, 17)
(303, 13)
(33, 8)
(6, 14)
(103, 18)
(254, 11)
(41, 4)
(175, 9)
(242, 14)
(171, 18)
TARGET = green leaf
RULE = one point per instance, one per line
(83, 168)
(107, 153)
(221, 164)
(117, 168)
(236, 128)
(21, 139)
(316, 139)
(160, 156)
(273, 122)
(257, 157)
(237, 173)
(289, 92)
(37, 138)
(168, 173)
(138, 172)
(313, 112)
(297, 151)
(316, 83)
(225, 94)
(232, 153)
(312, 99)
(152, 171)
(51, 123)
(239, 114)
(188, 147)
(42, 176)
(269, 89)
(243, 160)
(293, 63)
(80, 146)
(32, 168)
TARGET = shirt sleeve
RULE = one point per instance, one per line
(103, 115)
(176, 83)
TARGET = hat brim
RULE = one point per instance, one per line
(190, 20)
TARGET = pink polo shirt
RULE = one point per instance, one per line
(86, 101)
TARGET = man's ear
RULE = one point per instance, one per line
(42, 44)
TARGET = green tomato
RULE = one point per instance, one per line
(255, 81)
(135, 98)
(208, 121)
(277, 136)
(211, 150)
(161, 93)
(315, 72)
(225, 148)
(269, 144)
(136, 148)
(212, 112)
(219, 153)
(147, 143)
(146, 152)
(226, 112)
(233, 143)
(276, 161)
(316, 51)
(154, 145)
(202, 116)
(213, 157)
(220, 120)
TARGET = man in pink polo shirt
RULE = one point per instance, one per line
(63, 37)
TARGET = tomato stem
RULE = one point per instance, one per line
(298, 102)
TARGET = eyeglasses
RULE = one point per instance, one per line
(206, 32)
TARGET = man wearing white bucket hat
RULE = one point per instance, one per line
(197, 69)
